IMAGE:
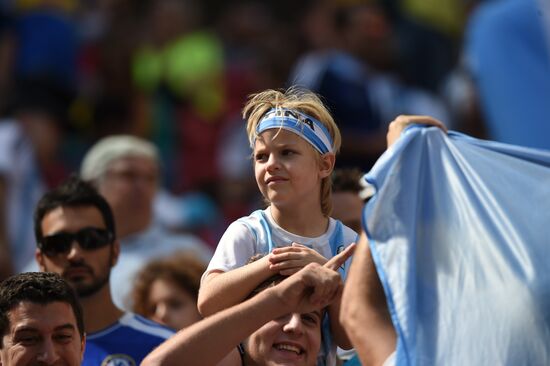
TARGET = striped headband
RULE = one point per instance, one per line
(299, 123)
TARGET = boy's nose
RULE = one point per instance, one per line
(161, 314)
(272, 162)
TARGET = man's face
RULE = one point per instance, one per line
(293, 339)
(87, 270)
(129, 185)
(42, 335)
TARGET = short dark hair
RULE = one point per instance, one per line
(39, 288)
(74, 192)
(347, 180)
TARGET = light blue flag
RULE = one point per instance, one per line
(459, 229)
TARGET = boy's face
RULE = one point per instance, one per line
(171, 305)
(288, 170)
(293, 339)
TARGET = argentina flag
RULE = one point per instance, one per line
(459, 230)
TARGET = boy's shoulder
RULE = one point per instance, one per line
(349, 235)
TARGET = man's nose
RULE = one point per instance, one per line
(75, 252)
(294, 324)
(48, 354)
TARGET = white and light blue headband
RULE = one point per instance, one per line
(299, 123)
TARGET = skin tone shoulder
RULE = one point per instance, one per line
(42, 335)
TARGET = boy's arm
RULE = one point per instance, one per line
(364, 311)
(221, 290)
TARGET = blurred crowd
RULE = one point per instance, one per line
(177, 73)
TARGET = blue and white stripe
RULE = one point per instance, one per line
(305, 126)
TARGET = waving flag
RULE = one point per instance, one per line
(459, 229)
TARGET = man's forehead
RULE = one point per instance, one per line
(132, 162)
(30, 316)
(72, 218)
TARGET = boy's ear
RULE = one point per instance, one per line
(326, 164)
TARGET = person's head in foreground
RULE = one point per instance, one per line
(40, 321)
(294, 140)
(75, 235)
(166, 290)
(291, 339)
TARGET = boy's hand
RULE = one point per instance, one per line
(289, 260)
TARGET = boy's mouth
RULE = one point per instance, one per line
(274, 180)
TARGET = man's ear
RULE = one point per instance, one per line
(326, 164)
(39, 257)
(82, 347)
(116, 253)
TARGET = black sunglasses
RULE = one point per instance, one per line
(88, 238)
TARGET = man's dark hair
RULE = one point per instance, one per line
(347, 180)
(74, 192)
(40, 288)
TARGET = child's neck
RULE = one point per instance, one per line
(310, 223)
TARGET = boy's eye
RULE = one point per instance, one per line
(260, 157)
(287, 152)
(174, 304)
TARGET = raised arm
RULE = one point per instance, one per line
(364, 311)
(210, 340)
(401, 122)
(337, 329)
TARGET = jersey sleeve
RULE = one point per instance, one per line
(236, 246)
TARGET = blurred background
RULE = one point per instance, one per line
(177, 73)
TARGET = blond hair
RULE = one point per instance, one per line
(301, 100)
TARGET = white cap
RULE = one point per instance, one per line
(111, 148)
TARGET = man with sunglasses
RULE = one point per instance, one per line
(75, 234)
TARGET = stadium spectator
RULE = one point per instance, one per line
(126, 171)
(75, 234)
(40, 321)
(166, 290)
